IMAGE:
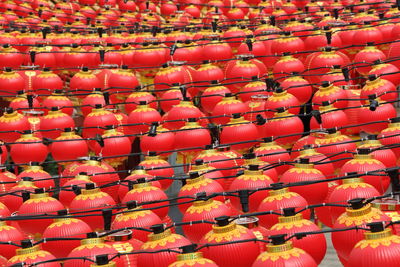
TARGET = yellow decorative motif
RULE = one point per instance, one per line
(290, 225)
(202, 206)
(359, 217)
(202, 261)
(279, 197)
(374, 240)
(90, 195)
(29, 256)
(327, 91)
(277, 252)
(364, 161)
(304, 170)
(61, 222)
(162, 242)
(140, 189)
(353, 186)
(196, 183)
(132, 215)
(225, 236)
(91, 246)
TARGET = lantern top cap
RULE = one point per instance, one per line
(26, 243)
(304, 161)
(152, 153)
(249, 156)
(253, 167)
(139, 167)
(131, 204)
(27, 179)
(395, 120)
(325, 103)
(98, 106)
(39, 190)
(278, 239)
(194, 175)
(287, 212)
(236, 115)
(376, 227)
(268, 139)
(189, 248)
(102, 259)
(356, 203)
(363, 151)
(91, 235)
(331, 130)
(85, 69)
(325, 84)
(62, 212)
(157, 228)
(90, 186)
(372, 77)
(222, 221)
(9, 110)
(372, 137)
(198, 162)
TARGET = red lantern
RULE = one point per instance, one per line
(382, 88)
(281, 253)
(137, 173)
(39, 203)
(377, 111)
(11, 82)
(59, 100)
(303, 172)
(391, 134)
(191, 138)
(218, 160)
(198, 184)
(8, 234)
(217, 51)
(160, 239)
(55, 119)
(144, 192)
(329, 117)
(291, 223)
(21, 103)
(367, 56)
(101, 173)
(41, 178)
(287, 65)
(10, 57)
(171, 98)
(190, 258)
(29, 254)
(254, 89)
(269, 151)
(358, 215)
(387, 71)
(335, 76)
(124, 243)
(175, 118)
(284, 125)
(333, 145)
(330, 93)
(169, 75)
(68, 146)
(121, 83)
(350, 189)
(251, 179)
(208, 172)
(90, 101)
(134, 99)
(202, 210)
(156, 166)
(115, 146)
(323, 164)
(96, 119)
(64, 228)
(378, 246)
(136, 217)
(7, 179)
(12, 121)
(386, 156)
(28, 148)
(229, 255)
(92, 198)
(279, 99)
(46, 82)
(84, 82)
(91, 247)
(287, 43)
(141, 117)
(227, 106)
(14, 201)
(239, 130)
(240, 71)
(80, 181)
(160, 141)
(363, 163)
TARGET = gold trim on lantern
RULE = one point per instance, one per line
(289, 219)
(353, 180)
(379, 235)
(155, 237)
(360, 212)
(91, 191)
(224, 229)
(42, 195)
(24, 251)
(92, 241)
(280, 248)
(278, 192)
(110, 264)
(190, 256)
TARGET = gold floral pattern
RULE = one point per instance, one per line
(62, 222)
(92, 246)
(279, 197)
(368, 217)
(290, 225)
(172, 238)
(207, 207)
(183, 263)
(387, 241)
(29, 256)
(212, 236)
(197, 184)
(285, 255)
(132, 215)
